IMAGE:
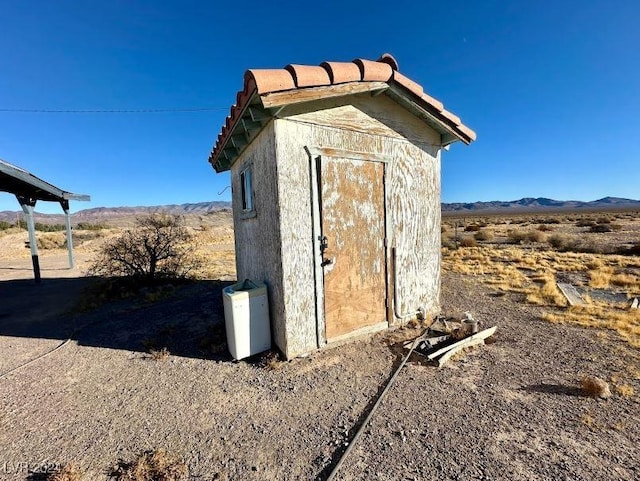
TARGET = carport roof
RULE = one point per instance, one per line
(24, 184)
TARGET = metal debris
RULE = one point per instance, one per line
(460, 334)
(571, 293)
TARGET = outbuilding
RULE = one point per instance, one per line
(335, 175)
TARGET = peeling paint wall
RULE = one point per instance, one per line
(257, 238)
(370, 125)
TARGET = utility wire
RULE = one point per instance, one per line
(112, 111)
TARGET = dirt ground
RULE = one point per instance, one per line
(509, 410)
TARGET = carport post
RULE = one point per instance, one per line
(67, 218)
(27, 204)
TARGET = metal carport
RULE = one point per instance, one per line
(29, 189)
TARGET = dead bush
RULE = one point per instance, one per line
(51, 241)
(473, 228)
(585, 223)
(160, 354)
(544, 228)
(483, 235)
(158, 247)
(68, 472)
(595, 387)
(521, 237)
(600, 228)
(158, 465)
(468, 242)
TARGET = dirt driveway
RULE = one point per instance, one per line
(506, 411)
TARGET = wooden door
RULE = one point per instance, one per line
(352, 216)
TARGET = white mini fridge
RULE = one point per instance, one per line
(246, 318)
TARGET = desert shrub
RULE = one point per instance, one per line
(49, 227)
(468, 242)
(89, 226)
(158, 465)
(550, 220)
(159, 246)
(472, 228)
(558, 241)
(52, 241)
(634, 250)
(483, 235)
(604, 220)
(520, 236)
(4, 225)
(80, 237)
(544, 228)
(601, 228)
(585, 223)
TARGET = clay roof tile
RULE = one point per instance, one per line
(308, 75)
(374, 71)
(450, 116)
(385, 69)
(467, 131)
(270, 80)
(389, 60)
(342, 72)
(409, 84)
(435, 103)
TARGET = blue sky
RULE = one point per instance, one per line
(551, 88)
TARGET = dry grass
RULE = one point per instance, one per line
(68, 472)
(158, 465)
(624, 390)
(484, 235)
(160, 354)
(532, 272)
(626, 322)
(548, 293)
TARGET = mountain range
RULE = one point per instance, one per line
(527, 204)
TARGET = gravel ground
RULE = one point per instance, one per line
(508, 410)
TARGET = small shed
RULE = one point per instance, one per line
(335, 175)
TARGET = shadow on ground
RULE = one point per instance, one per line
(187, 319)
(560, 389)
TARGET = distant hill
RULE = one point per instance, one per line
(111, 214)
(541, 204)
(527, 204)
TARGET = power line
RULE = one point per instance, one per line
(112, 111)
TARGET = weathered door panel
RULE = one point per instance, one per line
(352, 214)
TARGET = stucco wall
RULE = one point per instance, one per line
(257, 238)
(371, 125)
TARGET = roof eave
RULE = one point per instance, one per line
(269, 104)
(36, 187)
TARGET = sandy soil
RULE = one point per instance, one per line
(508, 410)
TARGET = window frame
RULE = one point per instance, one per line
(247, 197)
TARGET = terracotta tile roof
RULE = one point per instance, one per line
(260, 83)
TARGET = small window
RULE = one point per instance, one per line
(246, 184)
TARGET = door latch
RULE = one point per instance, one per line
(324, 243)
